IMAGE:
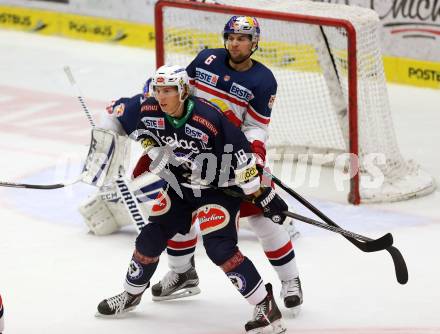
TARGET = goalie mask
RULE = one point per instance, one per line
(246, 25)
(171, 75)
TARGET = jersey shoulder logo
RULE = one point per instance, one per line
(206, 77)
(241, 92)
(119, 110)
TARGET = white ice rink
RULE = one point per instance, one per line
(53, 273)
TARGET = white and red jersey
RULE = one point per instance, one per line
(245, 97)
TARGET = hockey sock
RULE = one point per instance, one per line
(139, 273)
(245, 277)
(180, 250)
(277, 246)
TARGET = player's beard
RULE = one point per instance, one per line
(239, 59)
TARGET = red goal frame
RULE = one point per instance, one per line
(354, 196)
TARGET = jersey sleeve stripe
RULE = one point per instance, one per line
(257, 117)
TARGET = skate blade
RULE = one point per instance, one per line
(186, 292)
(276, 327)
(114, 316)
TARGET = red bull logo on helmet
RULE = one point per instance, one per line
(243, 25)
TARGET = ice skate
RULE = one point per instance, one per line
(175, 285)
(267, 317)
(114, 306)
(291, 293)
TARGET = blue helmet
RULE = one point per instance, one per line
(243, 25)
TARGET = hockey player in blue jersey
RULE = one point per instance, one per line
(244, 89)
(188, 140)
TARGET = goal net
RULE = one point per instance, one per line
(332, 96)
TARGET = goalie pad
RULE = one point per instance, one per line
(105, 212)
(107, 158)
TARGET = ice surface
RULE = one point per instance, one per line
(53, 273)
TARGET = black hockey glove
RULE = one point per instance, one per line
(272, 205)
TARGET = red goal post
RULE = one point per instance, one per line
(349, 69)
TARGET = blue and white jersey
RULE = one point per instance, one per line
(204, 142)
(246, 98)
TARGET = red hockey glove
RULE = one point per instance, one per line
(258, 148)
(260, 151)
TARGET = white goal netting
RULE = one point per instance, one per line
(310, 62)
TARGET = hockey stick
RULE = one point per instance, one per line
(38, 186)
(79, 95)
(371, 245)
(56, 185)
(127, 196)
(398, 260)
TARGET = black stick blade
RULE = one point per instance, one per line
(373, 245)
(399, 265)
(379, 244)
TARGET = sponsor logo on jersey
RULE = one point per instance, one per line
(175, 142)
(196, 133)
(226, 78)
(247, 174)
(154, 122)
(206, 123)
(149, 107)
(271, 101)
(241, 92)
(212, 217)
(206, 77)
(147, 142)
